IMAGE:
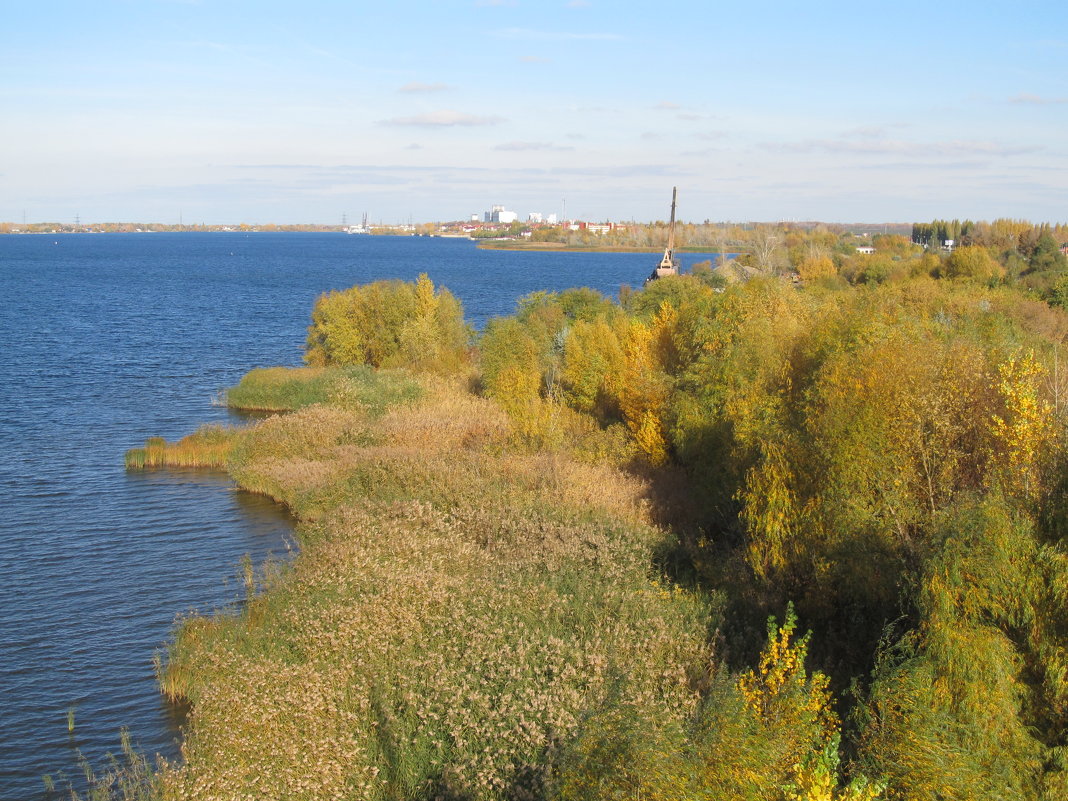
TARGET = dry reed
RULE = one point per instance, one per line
(457, 609)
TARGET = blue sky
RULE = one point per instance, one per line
(227, 111)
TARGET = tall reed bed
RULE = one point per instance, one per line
(209, 446)
(458, 609)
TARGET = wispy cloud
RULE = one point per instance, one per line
(873, 131)
(443, 119)
(904, 166)
(531, 146)
(866, 132)
(899, 147)
(415, 87)
(1037, 100)
(554, 36)
(347, 171)
(667, 105)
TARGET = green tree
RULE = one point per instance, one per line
(1047, 254)
(389, 324)
(975, 263)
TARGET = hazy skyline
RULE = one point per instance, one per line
(228, 112)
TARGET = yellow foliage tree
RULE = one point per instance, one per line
(389, 324)
(594, 365)
(1024, 430)
(815, 267)
(780, 685)
(644, 391)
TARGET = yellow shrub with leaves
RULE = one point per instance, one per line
(389, 324)
(645, 389)
(1025, 430)
(780, 688)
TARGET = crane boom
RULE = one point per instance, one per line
(667, 264)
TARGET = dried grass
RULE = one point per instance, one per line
(458, 607)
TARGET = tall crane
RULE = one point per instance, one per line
(668, 265)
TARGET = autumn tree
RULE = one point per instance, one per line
(389, 324)
(975, 263)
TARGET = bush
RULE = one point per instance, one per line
(389, 324)
(974, 262)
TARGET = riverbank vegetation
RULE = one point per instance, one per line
(768, 539)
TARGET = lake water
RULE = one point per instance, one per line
(107, 339)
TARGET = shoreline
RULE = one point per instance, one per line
(559, 247)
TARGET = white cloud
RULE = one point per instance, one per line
(531, 146)
(415, 87)
(1037, 100)
(876, 146)
(546, 36)
(443, 119)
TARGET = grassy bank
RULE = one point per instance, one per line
(559, 588)
(461, 604)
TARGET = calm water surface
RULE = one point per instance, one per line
(107, 339)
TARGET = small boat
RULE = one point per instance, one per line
(667, 265)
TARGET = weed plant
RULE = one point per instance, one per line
(129, 777)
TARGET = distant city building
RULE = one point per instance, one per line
(474, 218)
(534, 217)
(551, 219)
(499, 214)
(867, 250)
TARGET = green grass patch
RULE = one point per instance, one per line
(283, 389)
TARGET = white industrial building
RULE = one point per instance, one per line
(499, 214)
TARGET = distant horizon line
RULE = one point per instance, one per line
(5, 224)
